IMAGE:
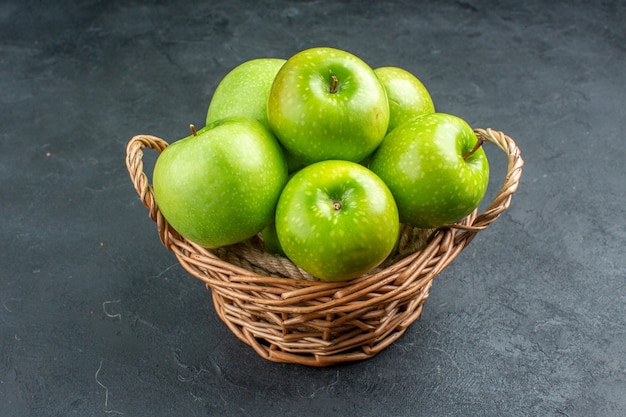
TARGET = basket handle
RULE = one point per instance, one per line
(134, 164)
(502, 200)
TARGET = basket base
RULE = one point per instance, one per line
(327, 343)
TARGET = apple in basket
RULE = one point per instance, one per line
(220, 185)
(270, 240)
(336, 220)
(407, 95)
(244, 91)
(435, 167)
(326, 103)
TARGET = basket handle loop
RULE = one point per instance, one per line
(502, 200)
(134, 164)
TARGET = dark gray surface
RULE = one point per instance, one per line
(97, 318)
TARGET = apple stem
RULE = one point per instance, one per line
(333, 88)
(336, 205)
(193, 130)
(479, 143)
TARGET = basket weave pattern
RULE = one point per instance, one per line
(285, 315)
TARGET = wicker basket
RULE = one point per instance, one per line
(287, 316)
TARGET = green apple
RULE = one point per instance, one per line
(220, 185)
(336, 220)
(407, 95)
(270, 240)
(244, 91)
(326, 103)
(435, 168)
(293, 164)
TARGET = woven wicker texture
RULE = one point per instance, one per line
(285, 315)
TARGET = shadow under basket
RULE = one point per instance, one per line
(287, 316)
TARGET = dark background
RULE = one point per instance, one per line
(97, 318)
